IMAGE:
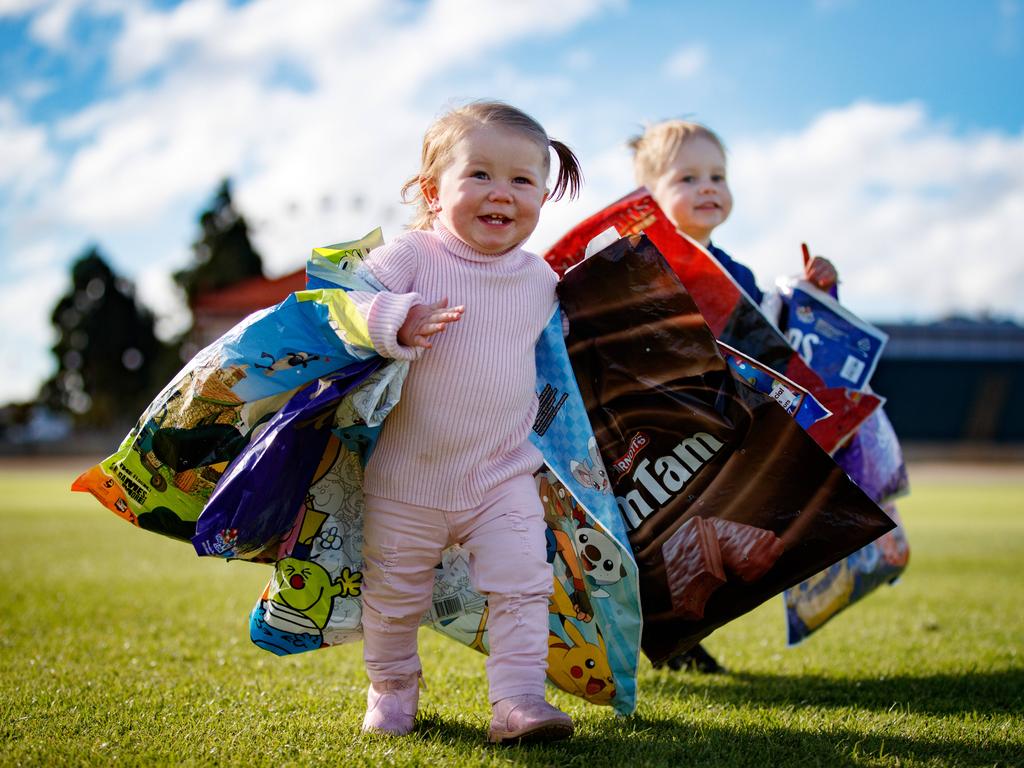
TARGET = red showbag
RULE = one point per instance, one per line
(733, 317)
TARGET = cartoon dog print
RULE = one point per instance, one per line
(600, 558)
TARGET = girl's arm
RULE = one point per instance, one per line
(399, 319)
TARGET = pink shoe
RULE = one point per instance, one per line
(391, 706)
(527, 718)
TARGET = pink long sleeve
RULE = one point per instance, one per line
(469, 402)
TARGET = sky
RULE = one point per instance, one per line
(889, 136)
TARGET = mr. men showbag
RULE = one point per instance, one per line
(726, 499)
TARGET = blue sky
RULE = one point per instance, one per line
(890, 136)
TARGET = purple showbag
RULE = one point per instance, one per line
(254, 505)
(874, 460)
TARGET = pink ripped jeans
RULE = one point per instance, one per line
(504, 537)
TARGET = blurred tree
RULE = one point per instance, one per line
(223, 252)
(108, 356)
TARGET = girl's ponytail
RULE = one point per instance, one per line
(570, 176)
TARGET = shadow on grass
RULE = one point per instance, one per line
(647, 741)
(721, 745)
(692, 740)
(984, 693)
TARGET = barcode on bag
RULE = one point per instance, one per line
(446, 607)
(852, 368)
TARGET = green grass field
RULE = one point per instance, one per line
(118, 646)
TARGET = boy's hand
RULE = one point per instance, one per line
(424, 320)
(819, 271)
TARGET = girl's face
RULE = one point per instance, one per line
(693, 191)
(491, 192)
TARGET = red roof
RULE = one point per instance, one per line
(249, 295)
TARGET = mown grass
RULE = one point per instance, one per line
(118, 646)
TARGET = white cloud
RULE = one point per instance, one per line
(50, 25)
(20, 7)
(919, 219)
(28, 335)
(217, 109)
(197, 94)
(26, 159)
(686, 62)
(920, 222)
(156, 289)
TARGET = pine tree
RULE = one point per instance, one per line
(223, 253)
(107, 352)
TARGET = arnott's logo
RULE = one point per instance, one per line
(623, 465)
(656, 483)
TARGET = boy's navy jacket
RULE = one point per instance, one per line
(740, 273)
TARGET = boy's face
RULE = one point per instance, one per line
(491, 192)
(693, 191)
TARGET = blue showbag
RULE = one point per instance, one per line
(564, 436)
(794, 399)
(838, 345)
(313, 600)
(844, 350)
(255, 503)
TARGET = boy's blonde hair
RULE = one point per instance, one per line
(656, 147)
(452, 126)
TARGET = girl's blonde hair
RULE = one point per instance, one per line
(451, 127)
(657, 146)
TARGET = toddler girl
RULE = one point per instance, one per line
(453, 464)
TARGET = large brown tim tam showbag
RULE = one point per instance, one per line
(726, 499)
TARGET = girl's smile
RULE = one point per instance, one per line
(491, 192)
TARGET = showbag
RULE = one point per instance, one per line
(725, 498)
(255, 503)
(256, 450)
(839, 346)
(844, 349)
(810, 604)
(166, 469)
(730, 313)
(874, 459)
(795, 400)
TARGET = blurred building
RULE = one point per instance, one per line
(953, 381)
(215, 312)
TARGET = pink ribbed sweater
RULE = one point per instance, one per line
(469, 402)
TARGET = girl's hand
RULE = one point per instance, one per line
(424, 320)
(819, 271)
